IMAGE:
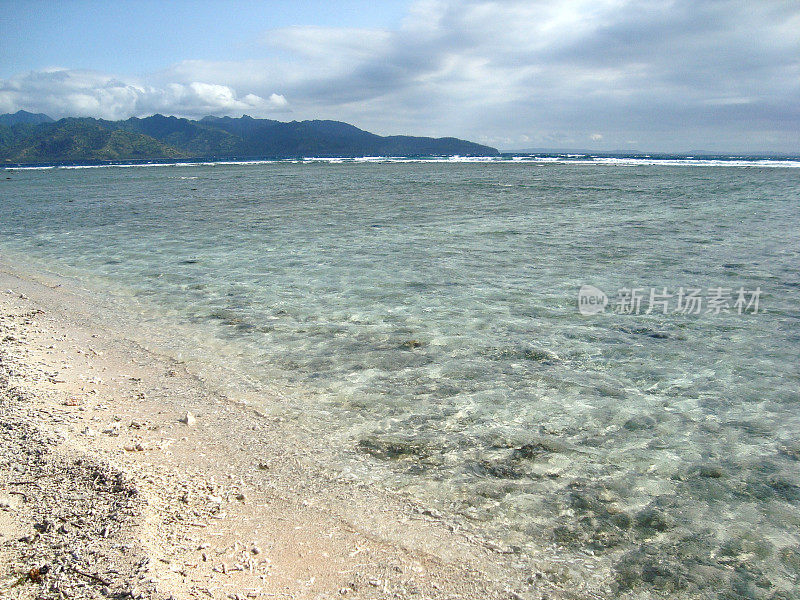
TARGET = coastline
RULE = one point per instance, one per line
(226, 505)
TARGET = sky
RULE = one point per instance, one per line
(639, 75)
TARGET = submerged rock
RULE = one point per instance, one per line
(790, 451)
(411, 344)
(710, 471)
(581, 501)
(493, 489)
(640, 423)
(540, 355)
(602, 540)
(647, 566)
(646, 331)
(621, 520)
(500, 469)
(569, 536)
(742, 549)
(524, 352)
(535, 449)
(785, 489)
(393, 448)
(653, 519)
(790, 557)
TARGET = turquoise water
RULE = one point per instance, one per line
(424, 316)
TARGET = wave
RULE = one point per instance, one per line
(566, 159)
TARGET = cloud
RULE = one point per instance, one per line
(63, 92)
(672, 74)
(680, 73)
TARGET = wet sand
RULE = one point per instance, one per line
(123, 473)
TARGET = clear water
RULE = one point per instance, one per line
(423, 317)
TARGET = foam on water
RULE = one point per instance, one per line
(585, 159)
(422, 316)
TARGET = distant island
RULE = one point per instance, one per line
(36, 138)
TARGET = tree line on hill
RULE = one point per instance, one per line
(36, 138)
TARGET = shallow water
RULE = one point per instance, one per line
(424, 317)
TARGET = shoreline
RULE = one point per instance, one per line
(225, 504)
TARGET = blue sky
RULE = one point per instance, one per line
(139, 37)
(653, 75)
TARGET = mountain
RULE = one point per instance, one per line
(72, 139)
(23, 117)
(265, 137)
(162, 137)
(192, 137)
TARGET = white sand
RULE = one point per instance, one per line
(226, 506)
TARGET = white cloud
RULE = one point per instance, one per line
(676, 73)
(64, 92)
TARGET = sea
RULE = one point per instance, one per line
(594, 359)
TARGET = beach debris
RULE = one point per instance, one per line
(188, 418)
(7, 506)
(429, 512)
(32, 576)
(498, 547)
(112, 430)
(91, 576)
(44, 526)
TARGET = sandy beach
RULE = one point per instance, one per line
(123, 474)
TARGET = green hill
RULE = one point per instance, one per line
(78, 140)
(23, 117)
(32, 138)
